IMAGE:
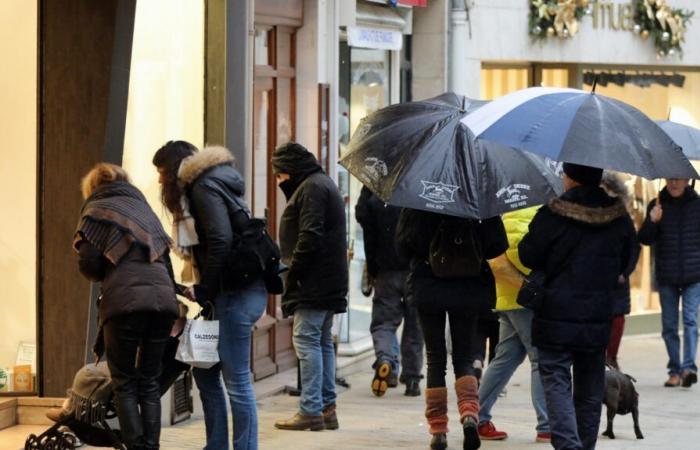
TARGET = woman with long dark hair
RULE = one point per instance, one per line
(122, 244)
(204, 193)
(456, 297)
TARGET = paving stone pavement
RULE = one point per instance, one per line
(669, 418)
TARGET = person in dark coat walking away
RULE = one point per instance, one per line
(121, 244)
(614, 186)
(424, 238)
(313, 245)
(581, 241)
(205, 195)
(672, 226)
(390, 304)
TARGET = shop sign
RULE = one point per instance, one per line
(374, 38)
(421, 3)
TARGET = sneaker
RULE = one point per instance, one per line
(488, 432)
(544, 437)
(688, 378)
(381, 374)
(673, 381)
(301, 422)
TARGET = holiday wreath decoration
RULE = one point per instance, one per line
(665, 25)
(549, 18)
(655, 19)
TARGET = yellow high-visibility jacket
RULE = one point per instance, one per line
(507, 268)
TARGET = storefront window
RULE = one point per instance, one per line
(18, 127)
(166, 89)
(368, 76)
(499, 81)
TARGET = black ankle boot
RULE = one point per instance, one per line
(471, 434)
(438, 442)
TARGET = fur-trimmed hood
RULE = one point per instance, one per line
(615, 186)
(597, 209)
(194, 166)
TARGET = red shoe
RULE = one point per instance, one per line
(544, 437)
(488, 432)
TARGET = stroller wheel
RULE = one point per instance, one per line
(32, 443)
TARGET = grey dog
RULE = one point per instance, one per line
(621, 398)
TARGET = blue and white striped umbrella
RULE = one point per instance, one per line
(570, 125)
(687, 137)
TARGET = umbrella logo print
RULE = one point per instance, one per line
(376, 168)
(438, 192)
(513, 195)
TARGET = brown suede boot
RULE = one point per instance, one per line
(436, 413)
(330, 418)
(467, 389)
(301, 422)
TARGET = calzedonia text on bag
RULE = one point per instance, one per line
(199, 343)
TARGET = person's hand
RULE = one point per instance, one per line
(188, 293)
(656, 214)
(621, 279)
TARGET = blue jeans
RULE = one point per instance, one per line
(574, 414)
(514, 344)
(670, 296)
(236, 312)
(313, 344)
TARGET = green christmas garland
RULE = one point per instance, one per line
(665, 25)
(654, 19)
(549, 18)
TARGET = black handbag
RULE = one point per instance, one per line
(531, 293)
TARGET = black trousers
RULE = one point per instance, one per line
(134, 346)
(573, 419)
(463, 331)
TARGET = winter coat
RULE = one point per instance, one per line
(676, 238)
(313, 244)
(134, 285)
(515, 223)
(378, 221)
(615, 187)
(215, 192)
(582, 241)
(414, 234)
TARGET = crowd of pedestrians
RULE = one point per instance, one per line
(441, 276)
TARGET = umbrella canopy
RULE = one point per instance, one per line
(419, 155)
(570, 125)
(687, 137)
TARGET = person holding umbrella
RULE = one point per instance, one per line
(672, 226)
(581, 243)
(450, 279)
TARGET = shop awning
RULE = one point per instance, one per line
(378, 16)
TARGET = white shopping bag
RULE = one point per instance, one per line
(199, 343)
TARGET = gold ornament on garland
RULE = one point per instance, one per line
(549, 18)
(664, 24)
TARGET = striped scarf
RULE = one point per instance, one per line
(115, 217)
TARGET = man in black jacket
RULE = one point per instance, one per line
(389, 305)
(583, 242)
(673, 227)
(313, 244)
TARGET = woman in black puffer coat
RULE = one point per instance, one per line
(458, 299)
(122, 244)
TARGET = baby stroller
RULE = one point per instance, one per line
(90, 406)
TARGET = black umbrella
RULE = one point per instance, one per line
(688, 138)
(419, 155)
